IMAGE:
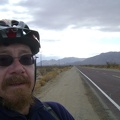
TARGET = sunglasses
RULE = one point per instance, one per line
(6, 60)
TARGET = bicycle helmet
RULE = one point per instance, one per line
(12, 31)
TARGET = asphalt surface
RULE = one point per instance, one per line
(69, 89)
(108, 81)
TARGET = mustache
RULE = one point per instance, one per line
(15, 80)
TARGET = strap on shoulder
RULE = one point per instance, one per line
(50, 110)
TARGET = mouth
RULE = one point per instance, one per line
(16, 82)
(17, 85)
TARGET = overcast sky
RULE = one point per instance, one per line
(69, 28)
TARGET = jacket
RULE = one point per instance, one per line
(36, 112)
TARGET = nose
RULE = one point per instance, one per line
(16, 67)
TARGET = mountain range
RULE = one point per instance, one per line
(101, 59)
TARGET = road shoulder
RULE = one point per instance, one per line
(72, 92)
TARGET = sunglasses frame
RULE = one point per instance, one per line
(7, 60)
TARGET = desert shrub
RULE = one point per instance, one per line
(37, 86)
(49, 76)
(108, 66)
(42, 82)
(46, 73)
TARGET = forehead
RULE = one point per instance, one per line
(14, 48)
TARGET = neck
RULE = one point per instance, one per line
(25, 110)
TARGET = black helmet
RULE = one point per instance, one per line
(12, 31)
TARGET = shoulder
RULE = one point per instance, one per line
(60, 110)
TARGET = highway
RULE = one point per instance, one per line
(107, 81)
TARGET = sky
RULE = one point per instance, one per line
(69, 28)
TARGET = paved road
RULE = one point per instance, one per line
(107, 80)
(68, 89)
(71, 91)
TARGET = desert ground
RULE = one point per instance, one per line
(75, 95)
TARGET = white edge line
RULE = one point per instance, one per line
(112, 101)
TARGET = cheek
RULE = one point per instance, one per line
(2, 76)
(31, 74)
(3, 73)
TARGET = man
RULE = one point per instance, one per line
(18, 45)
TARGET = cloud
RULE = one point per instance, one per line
(69, 27)
(48, 40)
(3, 2)
(57, 14)
(12, 10)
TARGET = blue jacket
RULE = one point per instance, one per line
(37, 112)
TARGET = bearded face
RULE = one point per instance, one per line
(16, 79)
(20, 96)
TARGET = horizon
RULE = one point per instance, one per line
(42, 58)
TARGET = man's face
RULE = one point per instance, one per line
(16, 80)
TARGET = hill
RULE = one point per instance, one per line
(101, 59)
(64, 61)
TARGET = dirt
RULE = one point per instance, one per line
(75, 95)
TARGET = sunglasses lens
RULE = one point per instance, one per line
(5, 60)
(27, 59)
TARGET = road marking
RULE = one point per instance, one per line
(111, 100)
(116, 76)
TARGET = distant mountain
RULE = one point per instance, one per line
(101, 59)
(64, 61)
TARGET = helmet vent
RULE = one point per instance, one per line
(11, 33)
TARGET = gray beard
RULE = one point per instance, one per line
(20, 98)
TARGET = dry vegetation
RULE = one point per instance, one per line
(46, 73)
(108, 65)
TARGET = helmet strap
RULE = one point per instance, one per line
(35, 72)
